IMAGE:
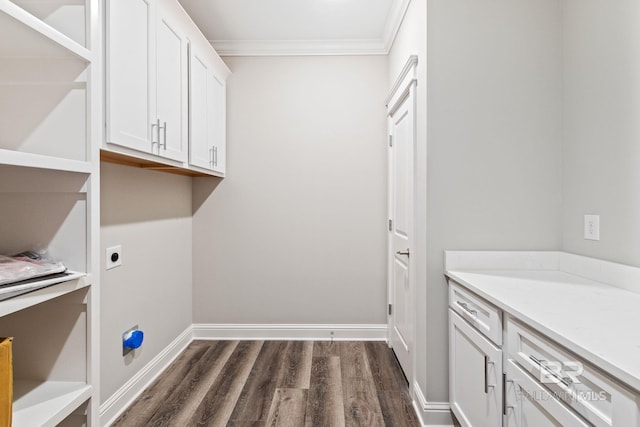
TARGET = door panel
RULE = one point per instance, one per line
(207, 116)
(403, 325)
(401, 177)
(475, 375)
(130, 24)
(402, 168)
(171, 89)
(217, 122)
(200, 148)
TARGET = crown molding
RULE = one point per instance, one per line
(380, 46)
(394, 21)
(298, 47)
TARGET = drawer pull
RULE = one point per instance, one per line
(542, 364)
(466, 308)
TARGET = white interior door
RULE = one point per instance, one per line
(401, 195)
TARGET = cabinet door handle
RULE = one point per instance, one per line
(215, 155)
(486, 374)
(466, 308)
(155, 126)
(164, 134)
(504, 394)
(567, 381)
(211, 156)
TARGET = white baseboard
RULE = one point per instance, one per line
(432, 414)
(348, 332)
(125, 395)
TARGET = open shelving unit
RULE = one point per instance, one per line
(47, 403)
(50, 109)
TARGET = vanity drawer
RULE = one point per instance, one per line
(482, 315)
(528, 403)
(600, 400)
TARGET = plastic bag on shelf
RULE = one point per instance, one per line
(28, 265)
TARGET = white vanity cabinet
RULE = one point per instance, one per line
(146, 78)
(475, 359)
(552, 381)
(503, 371)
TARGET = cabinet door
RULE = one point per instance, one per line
(130, 96)
(171, 87)
(200, 139)
(530, 404)
(217, 126)
(475, 375)
(207, 115)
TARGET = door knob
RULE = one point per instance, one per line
(405, 252)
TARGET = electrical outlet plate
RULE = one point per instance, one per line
(592, 227)
(113, 257)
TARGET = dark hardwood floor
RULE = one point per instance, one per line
(277, 383)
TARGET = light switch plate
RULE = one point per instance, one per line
(592, 227)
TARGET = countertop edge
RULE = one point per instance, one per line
(598, 362)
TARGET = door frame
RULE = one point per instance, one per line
(403, 89)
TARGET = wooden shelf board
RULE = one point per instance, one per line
(38, 403)
(36, 37)
(69, 284)
(124, 159)
(18, 158)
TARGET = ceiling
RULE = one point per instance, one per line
(298, 27)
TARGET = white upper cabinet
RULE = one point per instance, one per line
(165, 106)
(146, 78)
(207, 113)
(171, 86)
(130, 25)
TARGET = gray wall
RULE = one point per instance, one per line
(602, 127)
(149, 214)
(297, 231)
(494, 141)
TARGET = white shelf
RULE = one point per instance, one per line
(69, 284)
(46, 403)
(18, 158)
(37, 39)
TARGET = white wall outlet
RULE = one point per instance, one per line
(592, 227)
(113, 257)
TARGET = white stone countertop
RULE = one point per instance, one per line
(598, 322)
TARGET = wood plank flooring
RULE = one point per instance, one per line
(277, 383)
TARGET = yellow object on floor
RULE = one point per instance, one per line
(6, 382)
